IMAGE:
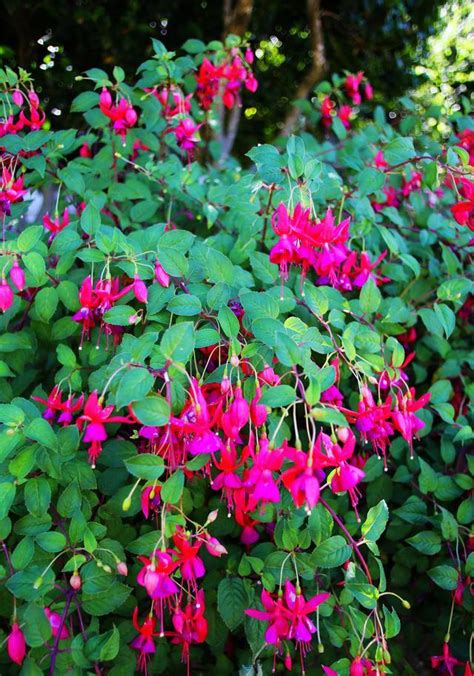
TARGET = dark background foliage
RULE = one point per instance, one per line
(380, 37)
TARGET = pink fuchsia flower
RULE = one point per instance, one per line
(53, 403)
(17, 275)
(237, 416)
(446, 662)
(302, 481)
(327, 111)
(258, 412)
(68, 408)
(190, 564)
(16, 646)
(260, 477)
(404, 418)
(144, 642)
(351, 85)
(361, 666)
(186, 133)
(244, 504)
(55, 620)
(94, 418)
(150, 500)
(228, 480)
(412, 184)
(368, 91)
(302, 628)
(466, 141)
(122, 115)
(463, 212)
(140, 290)
(344, 114)
(172, 100)
(161, 276)
(275, 614)
(56, 225)
(155, 575)
(6, 295)
(379, 161)
(214, 547)
(190, 625)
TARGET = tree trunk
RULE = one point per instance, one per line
(318, 67)
(237, 18)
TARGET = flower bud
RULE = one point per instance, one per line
(33, 98)
(105, 99)
(212, 516)
(122, 568)
(75, 581)
(342, 434)
(140, 290)
(17, 98)
(38, 582)
(107, 568)
(6, 295)
(127, 503)
(16, 645)
(161, 276)
(17, 276)
(249, 55)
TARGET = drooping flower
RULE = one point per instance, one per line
(155, 575)
(122, 115)
(16, 645)
(190, 625)
(57, 225)
(302, 628)
(351, 85)
(404, 418)
(144, 642)
(447, 662)
(55, 620)
(6, 295)
(94, 418)
(186, 553)
(301, 480)
(17, 275)
(463, 212)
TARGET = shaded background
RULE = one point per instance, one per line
(402, 45)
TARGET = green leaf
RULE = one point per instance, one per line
(185, 305)
(332, 552)
(232, 601)
(279, 395)
(428, 479)
(37, 495)
(119, 315)
(399, 150)
(369, 181)
(193, 46)
(46, 302)
(7, 496)
(29, 237)
(41, 431)
(51, 542)
(370, 297)
(134, 385)
(178, 342)
(445, 577)
(228, 322)
(426, 541)
(153, 411)
(376, 522)
(172, 489)
(145, 466)
(329, 415)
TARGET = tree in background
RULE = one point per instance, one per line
(296, 43)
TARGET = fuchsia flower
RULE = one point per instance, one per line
(150, 500)
(379, 161)
(258, 412)
(466, 141)
(226, 79)
(155, 575)
(17, 275)
(122, 115)
(326, 110)
(55, 620)
(361, 666)
(161, 276)
(187, 135)
(11, 190)
(344, 114)
(172, 100)
(276, 614)
(228, 481)
(447, 662)
(237, 416)
(259, 477)
(57, 225)
(302, 480)
(190, 564)
(196, 423)
(6, 295)
(144, 642)
(302, 627)
(463, 212)
(16, 645)
(351, 85)
(94, 418)
(190, 625)
(412, 184)
(404, 418)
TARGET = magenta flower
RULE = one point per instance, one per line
(16, 646)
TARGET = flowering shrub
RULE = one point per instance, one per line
(234, 401)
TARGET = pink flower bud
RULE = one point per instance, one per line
(105, 99)
(16, 645)
(161, 276)
(258, 412)
(75, 581)
(17, 97)
(249, 55)
(343, 434)
(140, 290)
(33, 98)
(369, 92)
(6, 296)
(288, 662)
(225, 384)
(17, 276)
(85, 151)
(214, 547)
(131, 117)
(122, 568)
(151, 580)
(212, 516)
